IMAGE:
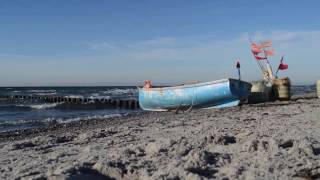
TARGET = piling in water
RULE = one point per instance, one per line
(118, 103)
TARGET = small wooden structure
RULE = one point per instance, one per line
(281, 89)
(318, 88)
(260, 92)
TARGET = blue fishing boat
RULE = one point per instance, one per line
(214, 94)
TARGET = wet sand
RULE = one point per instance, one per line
(278, 140)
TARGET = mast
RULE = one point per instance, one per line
(263, 62)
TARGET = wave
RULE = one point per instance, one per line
(45, 106)
(97, 96)
(68, 120)
(74, 96)
(118, 91)
(46, 94)
(23, 124)
(12, 107)
(42, 91)
(28, 107)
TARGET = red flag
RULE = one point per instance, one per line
(282, 66)
(254, 45)
(256, 49)
(258, 58)
(238, 65)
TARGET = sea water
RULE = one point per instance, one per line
(21, 114)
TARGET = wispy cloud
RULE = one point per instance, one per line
(155, 54)
(156, 42)
(162, 48)
(101, 46)
(217, 56)
(143, 44)
(285, 37)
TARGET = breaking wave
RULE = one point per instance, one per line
(42, 91)
(45, 106)
(23, 124)
(28, 107)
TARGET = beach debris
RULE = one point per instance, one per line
(22, 145)
(286, 144)
(112, 169)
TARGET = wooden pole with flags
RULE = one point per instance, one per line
(238, 67)
(281, 66)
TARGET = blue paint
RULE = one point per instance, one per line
(214, 94)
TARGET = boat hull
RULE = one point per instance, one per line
(214, 94)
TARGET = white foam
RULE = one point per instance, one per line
(44, 106)
(42, 91)
(44, 94)
(87, 118)
(117, 91)
(73, 96)
(99, 97)
(58, 120)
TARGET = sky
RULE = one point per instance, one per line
(124, 42)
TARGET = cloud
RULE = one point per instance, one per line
(155, 54)
(102, 46)
(160, 41)
(285, 37)
(143, 44)
(207, 58)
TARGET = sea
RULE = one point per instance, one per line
(24, 114)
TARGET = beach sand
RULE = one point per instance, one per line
(278, 140)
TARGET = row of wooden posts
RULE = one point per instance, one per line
(119, 103)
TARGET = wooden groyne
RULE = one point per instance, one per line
(117, 103)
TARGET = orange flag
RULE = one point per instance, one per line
(266, 44)
(269, 52)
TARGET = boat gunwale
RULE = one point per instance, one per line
(191, 85)
(186, 86)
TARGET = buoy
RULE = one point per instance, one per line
(260, 92)
(281, 89)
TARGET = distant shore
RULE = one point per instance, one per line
(276, 140)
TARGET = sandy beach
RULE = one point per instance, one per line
(276, 140)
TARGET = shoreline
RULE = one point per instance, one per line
(94, 123)
(260, 141)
